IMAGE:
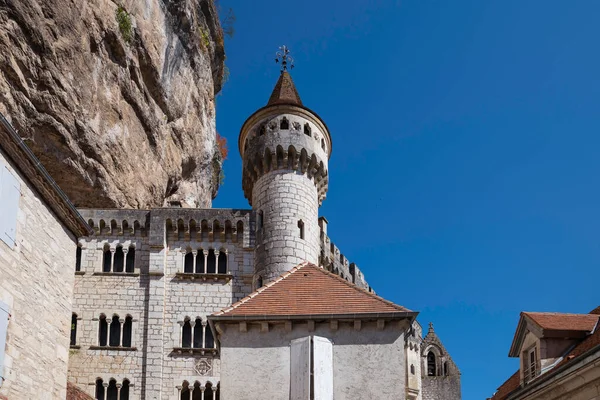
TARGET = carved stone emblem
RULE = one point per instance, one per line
(296, 125)
(203, 366)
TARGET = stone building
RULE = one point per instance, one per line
(156, 290)
(559, 358)
(38, 238)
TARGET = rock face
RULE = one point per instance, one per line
(116, 99)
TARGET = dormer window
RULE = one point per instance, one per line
(530, 364)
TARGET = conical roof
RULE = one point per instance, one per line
(285, 91)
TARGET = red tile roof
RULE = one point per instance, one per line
(74, 393)
(552, 321)
(563, 322)
(308, 290)
(285, 91)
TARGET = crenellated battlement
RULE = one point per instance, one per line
(333, 260)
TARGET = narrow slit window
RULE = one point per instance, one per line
(259, 223)
(73, 329)
(78, 259)
(301, 228)
(186, 334)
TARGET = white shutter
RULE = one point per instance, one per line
(9, 206)
(323, 368)
(4, 313)
(300, 369)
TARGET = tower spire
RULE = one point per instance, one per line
(285, 91)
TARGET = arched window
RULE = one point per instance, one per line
(73, 329)
(240, 231)
(186, 334)
(188, 263)
(211, 262)
(78, 259)
(301, 228)
(222, 262)
(430, 364)
(106, 259)
(285, 124)
(99, 389)
(412, 369)
(130, 261)
(445, 368)
(112, 392)
(200, 262)
(208, 391)
(218, 396)
(209, 341)
(198, 334)
(124, 390)
(185, 391)
(102, 331)
(115, 331)
(119, 260)
(197, 391)
(307, 129)
(127, 331)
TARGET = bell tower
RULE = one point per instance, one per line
(285, 148)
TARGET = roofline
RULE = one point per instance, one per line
(52, 194)
(311, 317)
(285, 104)
(552, 373)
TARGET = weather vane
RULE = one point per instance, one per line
(283, 56)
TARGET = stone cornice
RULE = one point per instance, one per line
(31, 168)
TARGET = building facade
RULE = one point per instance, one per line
(38, 239)
(148, 281)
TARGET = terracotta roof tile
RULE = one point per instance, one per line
(74, 393)
(564, 322)
(310, 290)
(507, 387)
(285, 91)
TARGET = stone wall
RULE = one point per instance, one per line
(36, 282)
(441, 388)
(367, 365)
(157, 295)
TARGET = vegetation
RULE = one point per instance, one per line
(222, 145)
(125, 24)
(204, 39)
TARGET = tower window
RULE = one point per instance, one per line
(307, 129)
(78, 259)
(107, 259)
(115, 331)
(188, 263)
(211, 262)
(200, 262)
(222, 264)
(127, 330)
(412, 369)
(112, 392)
(430, 364)
(301, 228)
(124, 392)
(99, 389)
(186, 334)
(445, 368)
(285, 124)
(198, 334)
(259, 223)
(102, 331)
(262, 130)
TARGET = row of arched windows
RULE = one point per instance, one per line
(115, 332)
(112, 390)
(205, 262)
(196, 334)
(119, 259)
(199, 392)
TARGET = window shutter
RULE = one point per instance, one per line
(9, 206)
(4, 314)
(300, 369)
(323, 368)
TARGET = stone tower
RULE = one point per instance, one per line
(440, 375)
(285, 148)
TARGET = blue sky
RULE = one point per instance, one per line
(464, 172)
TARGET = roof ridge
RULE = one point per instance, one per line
(261, 289)
(352, 285)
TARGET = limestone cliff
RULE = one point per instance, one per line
(116, 98)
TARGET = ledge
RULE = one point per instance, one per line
(115, 348)
(190, 350)
(74, 347)
(79, 272)
(116, 273)
(203, 277)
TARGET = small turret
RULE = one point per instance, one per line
(285, 148)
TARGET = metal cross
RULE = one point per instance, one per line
(283, 56)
